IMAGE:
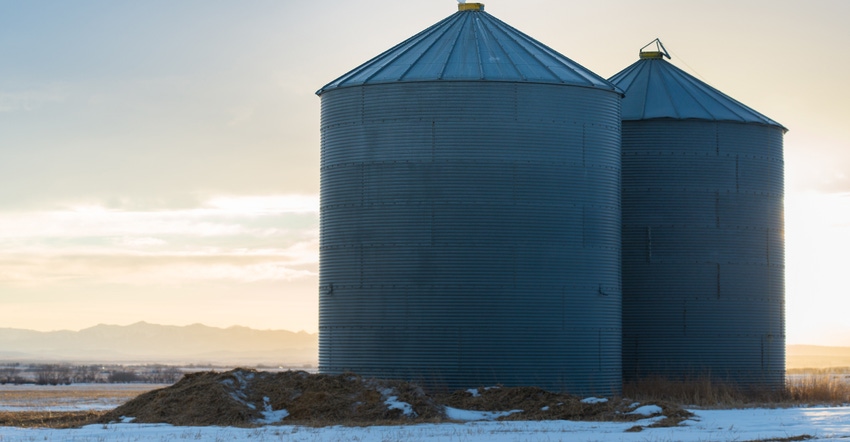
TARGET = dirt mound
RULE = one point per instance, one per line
(539, 404)
(244, 397)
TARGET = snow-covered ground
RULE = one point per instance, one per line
(824, 424)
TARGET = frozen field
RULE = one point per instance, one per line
(822, 424)
(75, 397)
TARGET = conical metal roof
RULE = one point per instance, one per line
(470, 45)
(654, 88)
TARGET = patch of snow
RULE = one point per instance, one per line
(821, 423)
(238, 393)
(386, 392)
(647, 410)
(634, 405)
(594, 400)
(393, 403)
(472, 415)
(546, 408)
(127, 419)
(271, 416)
(474, 392)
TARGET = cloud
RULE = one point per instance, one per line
(28, 100)
(243, 239)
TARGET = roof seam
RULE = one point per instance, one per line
(451, 52)
(442, 52)
(505, 52)
(505, 30)
(478, 59)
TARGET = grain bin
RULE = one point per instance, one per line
(470, 214)
(703, 248)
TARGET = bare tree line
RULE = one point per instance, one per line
(66, 374)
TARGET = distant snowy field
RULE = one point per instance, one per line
(75, 397)
(824, 424)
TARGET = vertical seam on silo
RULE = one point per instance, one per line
(433, 140)
(563, 307)
(737, 174)
(362, 208)
(717, 209)
(716, 139)
(649, 244)
(767, 245)
(584, 147)
(599, 348)
(718, 280)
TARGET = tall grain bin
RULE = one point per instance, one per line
(470, 214)
(703, 247)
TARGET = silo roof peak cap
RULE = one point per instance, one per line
(462, 5)
(659, 52)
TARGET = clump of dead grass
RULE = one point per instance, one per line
(47, 419)
(539, 404)
(826, 389)
(705, 392)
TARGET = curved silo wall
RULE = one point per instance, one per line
(470, 234)
(703, 251)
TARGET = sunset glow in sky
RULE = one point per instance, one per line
(159, 160)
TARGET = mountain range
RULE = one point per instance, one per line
(151, 343)
(143, 342)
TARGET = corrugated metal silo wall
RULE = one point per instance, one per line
(470, 235)
(703, 251)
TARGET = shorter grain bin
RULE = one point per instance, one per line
(703, 248)
(470, 214)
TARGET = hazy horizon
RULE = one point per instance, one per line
(160, 161)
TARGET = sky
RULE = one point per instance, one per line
(159, 160)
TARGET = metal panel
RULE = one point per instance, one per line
(470, 234)
(656, 89)
(703, 256)
(470, 45)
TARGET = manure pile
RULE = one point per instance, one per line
(245, 398)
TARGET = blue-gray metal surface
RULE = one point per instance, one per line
(470, 45)
(470, 234)
(657, 89)
(703, 247)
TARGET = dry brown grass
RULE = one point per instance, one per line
(712, 393)
(40, 397)
(47, 419)
(823, 389)
(702, 392)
